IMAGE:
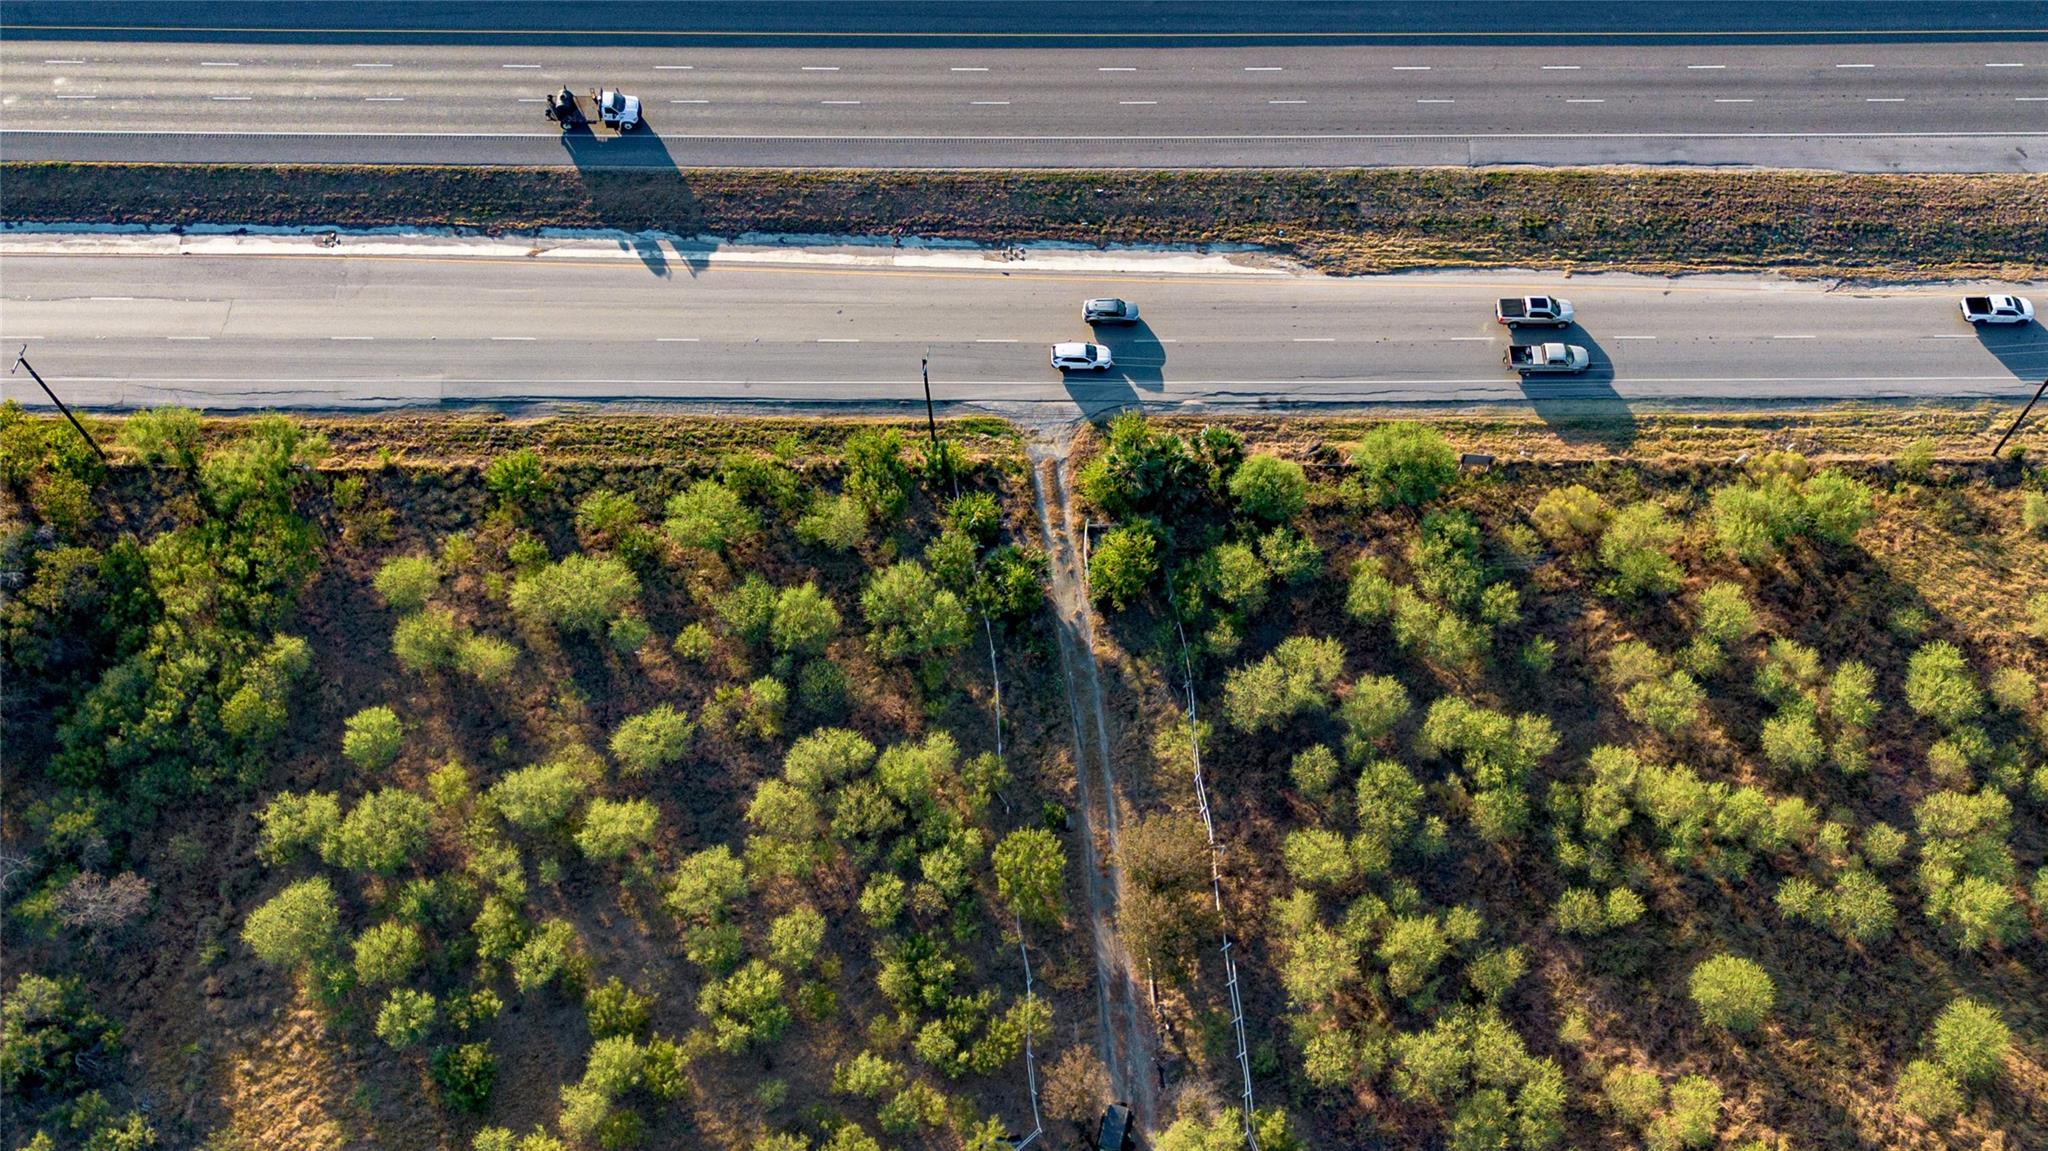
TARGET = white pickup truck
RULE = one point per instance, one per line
(1569, 359)
(1998, 310)
(1533, 312)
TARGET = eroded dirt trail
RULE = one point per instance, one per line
(1124, 1037)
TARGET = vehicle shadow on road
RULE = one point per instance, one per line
(1100, 395)
(2023, 349)
(1581, 409)
(595, 154)
(1140, 357)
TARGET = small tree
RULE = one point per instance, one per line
(1633, 549)
(427, 640)
(1298, 676)
(517, 479)
(1732, 992)
(296, 926)
(1404, 463)
(910, 616)
(372, 738)
(705, 884)
(1269, 488)
(383, 832)
(542, 796)
(1930, 1092)
(805, 620)
(465, 1074)
(1122, 564)
(795, 937)
(1076, 1086)
(405, 1018)
(1970, 1041)
(1939, 685)
(1570, 518)
(406, 582)
(579, 594)
(387, 954)
(1031, 870)
(613, 829)
(710, 516)
(653, 739)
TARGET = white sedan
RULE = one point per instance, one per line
(1081, 358)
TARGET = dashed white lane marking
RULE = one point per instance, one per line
(1855, 65)
(531, 100)
(1287, 101)
(840, 103)
(67, 96)
(675, 67)
(220, 64)
(1265, 68)
(351, 337)
(1315, 339)
(1436, 101)
(1132, 102)
(966, 69)
(1411, 67)
(513, 339)
(1470, 339)
(1116, 69)
(1793, 337)
(689, 101)
(990, 103)
(836, 340)
(2030, 99)
(1884, 100)
(63, 61)
(1951, 336)
(367, 66)
(519, 66)
(1585, 100)
(234, 97)
(821, 68)
(188, 337)
(1560, 67)
(1734, 100)
(675, 339)
(2015, 65)
(1635, 337)
(1705, 67)
(995, 341)
(383, 99)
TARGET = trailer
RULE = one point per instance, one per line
(609, 107)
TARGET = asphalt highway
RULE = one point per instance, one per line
(1858, 106)
(323, 329)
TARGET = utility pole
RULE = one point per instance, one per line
(21, 361)
(2023, 419)
(931, 422)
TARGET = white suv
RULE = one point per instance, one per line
(1081, 357)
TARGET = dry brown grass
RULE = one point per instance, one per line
(1350, 221)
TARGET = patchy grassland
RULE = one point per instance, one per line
(1347, 221)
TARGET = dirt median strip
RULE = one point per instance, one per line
(1347, 222)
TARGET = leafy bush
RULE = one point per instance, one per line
(705, 885)
(383, 832)
(876, 474)
(836, 522)
(517, 479)
(293, 823)
(1632, 1094)
(1298, 676)
(910, 617)
(1930, 1092)
(1031, 871)
(1753, 520)
(486, 658)
(46, 1025)
(805, 620)
(164, 437)
(1690, 1122)
(2013, 689)
(1970, 1041)
(542, 796)
(614, 828)
(544, 956)
(1269, 488)
(427, 640)
(1939, 685)
(296, 926)
(466, 1074)
(1314, 771)
(387, 954)
(405, 1018)
(1634, 550)
(407, 582)
(710, 516)
(578, 594)
(746, 1007)
(372, 738)
(1122, 564)
(1404, 463)
(653, 739)
(1570, 518)
(1732, 992)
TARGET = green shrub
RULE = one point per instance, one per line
(1122, 565)
(544, 956)
(293, 823)
(1970, 1041)
(710, 516)
(1269, 488)
(705, 885)
(1031, 872)
(486, 658)
(466, 1074)
(387, 954)
(795, 937)
(836, 522)
(296, 926)
(1297, 677)
(427, 640)
(1634, 550)
(517, 479)
(1314, 771)
(1694, 1114)
(2034, 513)
(746, 1007)
(1239, 577)
(2037, 614)
(407, 582)
(1732, 992)
(910, 617)
(164, 437)
(542, 796)
(46, 1025)
(613, 829)
(614, 1009)
(876, 474)
(1791, 741)
(1570, 518)
(805, 620)
(578, 594)
(1939, 685)
(2013, 689)
(653, 739)
(1404, 463)
(372, 738)
(383, 832)
(405, 1018)
(1929, 1092)
(1724, 614)
(1293, 558)
(1632, 1095)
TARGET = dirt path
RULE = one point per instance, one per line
(1124, 1038)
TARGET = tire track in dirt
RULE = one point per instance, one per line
(1124, 1040)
